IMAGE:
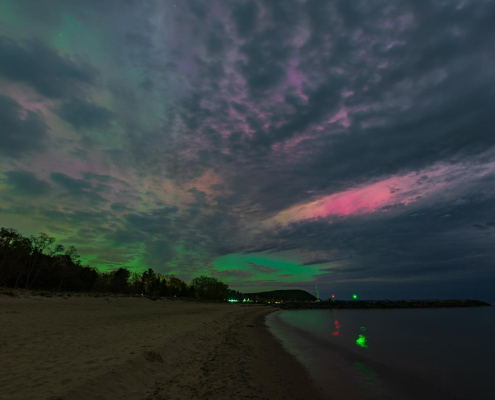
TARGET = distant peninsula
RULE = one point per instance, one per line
(281, 295)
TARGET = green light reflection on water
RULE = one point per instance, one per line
(361, 341)
(364, 368)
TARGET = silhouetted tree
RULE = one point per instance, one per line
(149, 282)
(14, 253)
(57, 250)
(136, 283)
(69, 259)
(174, 285)
(120, 280)
(37, 263)
(210, 288)
(38, 245)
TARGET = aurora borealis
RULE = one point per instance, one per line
(271, 144)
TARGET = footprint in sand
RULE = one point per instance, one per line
(153, 356)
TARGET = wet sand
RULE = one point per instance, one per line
(136, 348)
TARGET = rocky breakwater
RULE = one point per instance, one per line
(293, 305)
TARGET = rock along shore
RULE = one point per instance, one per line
(381, 304)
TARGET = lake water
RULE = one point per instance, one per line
(441, 353)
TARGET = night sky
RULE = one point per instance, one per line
(270, 144)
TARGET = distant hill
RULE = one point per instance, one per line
(282, 295)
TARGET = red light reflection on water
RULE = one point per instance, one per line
(337, 329)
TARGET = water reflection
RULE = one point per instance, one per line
(364, 368)
(399, 350)
(362, 341)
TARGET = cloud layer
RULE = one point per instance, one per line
(268, 143)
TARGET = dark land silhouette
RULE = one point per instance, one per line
(281, 295)
(38, 263)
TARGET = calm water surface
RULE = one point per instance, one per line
(394, 354)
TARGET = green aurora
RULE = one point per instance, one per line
(184, 138)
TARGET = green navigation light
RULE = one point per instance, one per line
(354, 296)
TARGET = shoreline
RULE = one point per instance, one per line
(132, 348)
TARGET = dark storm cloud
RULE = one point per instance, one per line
(215, 42)
(103, 178)
(21, 210)
(125, 237)
(119, 207)
(81, 154)
(73, 218)
(21, 130)
(84, 115)
(264, 68)
(77, 188)
(73, 185)
(43, 68)
(245, 14)
(324, 261)
(26, 182)
(155, 222)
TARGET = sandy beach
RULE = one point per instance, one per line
(136, 348)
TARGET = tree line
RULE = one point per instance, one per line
(38, 263)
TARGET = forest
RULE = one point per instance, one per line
(39, 263)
